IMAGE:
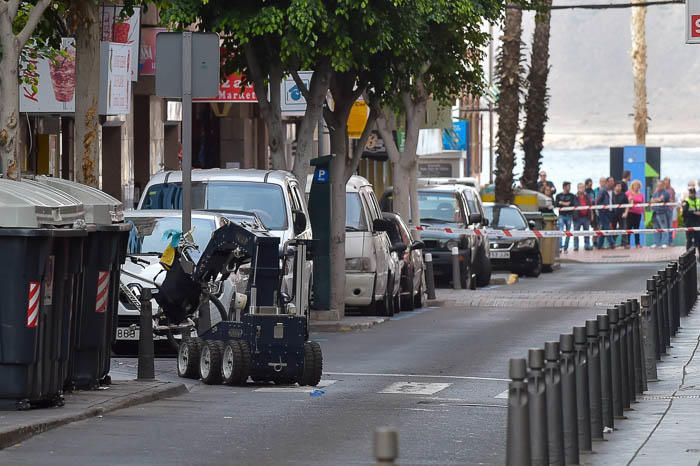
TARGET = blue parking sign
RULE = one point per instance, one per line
(321, 176)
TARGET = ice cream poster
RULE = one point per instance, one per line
(122, 31)
(52, 89)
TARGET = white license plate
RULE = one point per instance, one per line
(499, 254)
(133, 334)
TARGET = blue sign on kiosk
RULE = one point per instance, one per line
(321, 175)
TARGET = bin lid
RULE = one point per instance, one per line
(100, 207)
(28, 204)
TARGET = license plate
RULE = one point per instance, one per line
(133, 334)
(499, 254)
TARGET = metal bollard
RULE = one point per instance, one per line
(146, 364)
(622, 327)
(552, 381)
(568, 392)
(672, 301)
(537, 403)
(654, 329)
(615, 366)
(594, 386)
(582, 396)
(682, 284)
(637, 349)
(518, 433)
(606, 394)
(664, 309)
(429, 276)
(631, 376)
(456, 280)
(648, 338)
(386, 446)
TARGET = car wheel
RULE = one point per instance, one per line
(537, 269)
(483, 270)
(465, 276)
(418, 299)
(406, 294)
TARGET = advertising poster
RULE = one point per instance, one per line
(54, 88)
(121, 31)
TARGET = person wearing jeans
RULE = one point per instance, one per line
(660, 215)
(565, 199)
(605, 216)
(582, 218)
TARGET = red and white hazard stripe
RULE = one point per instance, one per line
(33, 305)
(102, 292)
(517, 234)
(617, 206)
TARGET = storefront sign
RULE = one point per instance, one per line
(53, 87)
(357, 119)
(234, 90)
(293, 102)
(122, 32)
(147, 55)
(692, 22)
(115, 82)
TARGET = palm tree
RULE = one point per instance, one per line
(537, 99)
(639, 71)
(508, 74)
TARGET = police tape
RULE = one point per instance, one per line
(618, 206)
(523, 234)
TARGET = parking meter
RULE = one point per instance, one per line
(320, 213)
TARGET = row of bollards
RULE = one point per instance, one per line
(569, 394)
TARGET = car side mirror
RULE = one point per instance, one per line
(532, 224)
(299, 221)
(417, 245)
(380, 224)
(474, 218)
(398, 248)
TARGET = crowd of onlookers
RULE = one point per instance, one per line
(663, 207)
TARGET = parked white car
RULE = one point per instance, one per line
(273, 195)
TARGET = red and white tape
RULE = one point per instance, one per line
(518, 234)
(102, 292)
(617, 206)
(33, 305)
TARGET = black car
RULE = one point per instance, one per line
(518, 255)
(410, 262)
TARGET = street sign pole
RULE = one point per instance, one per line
(186, 131)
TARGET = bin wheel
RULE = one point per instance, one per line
(106, 380)
(313, 364)
(59, 401)
(233, 365)
(210, 362)
(188, 358)
(23, 405)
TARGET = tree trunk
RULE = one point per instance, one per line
(87, 74)
(9, 101)
(537, 99)
(339, 141)
(639, 71)
(508, 104)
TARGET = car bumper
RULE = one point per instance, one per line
(359, 289)
(442, 261)
(519, 261)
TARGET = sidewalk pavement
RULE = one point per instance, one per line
(663, 428)
(503, 297)
(17, 426)
(619, 255)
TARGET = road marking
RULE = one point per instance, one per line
(420, 376)
(294, 388)
(409, 314)
(503, 395)
(415, 388)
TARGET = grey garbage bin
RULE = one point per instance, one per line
(41, 240)
(96, 311)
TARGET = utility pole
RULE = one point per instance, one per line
(490, 105)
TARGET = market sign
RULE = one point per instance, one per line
(233, 89)
(692, 21)
(115, 78)
(122, 32)
(53, 90)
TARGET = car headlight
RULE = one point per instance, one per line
(526, 243)
(358, 264)
(452, 243)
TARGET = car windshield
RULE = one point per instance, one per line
(264, 199)
(505, 217)
(439, 207)
(148, 234)
(355, 219)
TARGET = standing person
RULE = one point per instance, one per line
(660, 214)
(672, 210)
(543, 182)
(604, 198)
(626, 176)
(691, 216)
(686, 193)
(619, 219)
(565, 199)
(588, 184)
(634, 214)
(582, 218)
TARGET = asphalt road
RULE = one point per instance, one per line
(436, 374)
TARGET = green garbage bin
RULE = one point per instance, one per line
(40, 235)
(549, 246)
(96, 311)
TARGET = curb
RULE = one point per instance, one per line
(23, 432)
(345, 326)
